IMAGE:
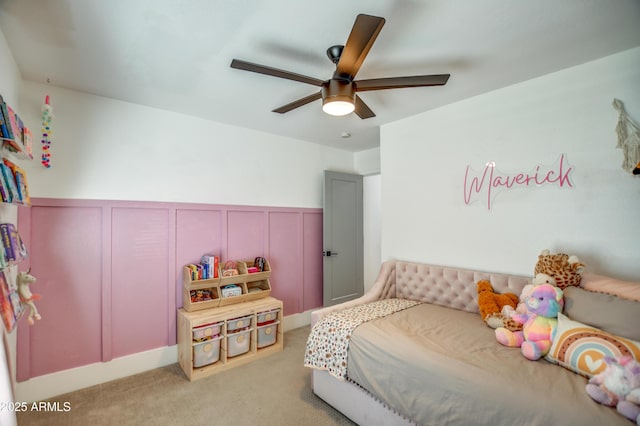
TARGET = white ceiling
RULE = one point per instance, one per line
(175, 54)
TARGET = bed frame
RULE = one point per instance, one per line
(345, 396)
(427, 283)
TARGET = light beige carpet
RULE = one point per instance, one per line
(275, 390)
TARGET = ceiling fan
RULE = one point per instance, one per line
(338, 94)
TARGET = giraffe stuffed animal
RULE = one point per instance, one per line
(564, 269)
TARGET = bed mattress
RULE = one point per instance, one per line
(438, 365)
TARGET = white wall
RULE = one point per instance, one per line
(108, 149)
(367, 162)
(371, 229)
(425, 218)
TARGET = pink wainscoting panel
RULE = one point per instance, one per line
(312, 260)
(245, 234)
(110, 271)
(66, 259)
(285, 252)
(198, 232)
(139, 251)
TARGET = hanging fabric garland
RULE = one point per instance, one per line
(628, 139)
(47, 115)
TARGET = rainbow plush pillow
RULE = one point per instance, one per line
(582, 348)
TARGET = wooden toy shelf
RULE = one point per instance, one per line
(254, 286)
(253, 312)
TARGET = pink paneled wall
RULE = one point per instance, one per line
(141, 289)
(312, 295)
(67, 259)
(110, 272)
(285, 246)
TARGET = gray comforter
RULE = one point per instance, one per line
(441, 366)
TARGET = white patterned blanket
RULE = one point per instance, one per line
(328, 342)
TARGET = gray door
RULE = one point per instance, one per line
(342, 238)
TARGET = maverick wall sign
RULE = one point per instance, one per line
(484, 185)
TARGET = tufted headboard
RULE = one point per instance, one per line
(452, 287)
(440, 285)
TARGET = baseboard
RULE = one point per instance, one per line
(291, 322)
(61, 382)
(50, 385)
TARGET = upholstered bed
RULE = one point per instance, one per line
(436, 362)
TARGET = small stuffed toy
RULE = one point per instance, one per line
(539, 324)
(563, 268)
(26, 297)
(618, 386)
(630, 407)
(521, 308)
(490, 304)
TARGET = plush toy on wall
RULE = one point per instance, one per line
(618, 386)
(26, 297)
(563, 268)
(539, 324)
(490, 305)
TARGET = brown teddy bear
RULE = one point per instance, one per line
(490, 305)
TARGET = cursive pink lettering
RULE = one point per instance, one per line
(490, 178)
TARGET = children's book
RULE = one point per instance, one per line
(14, 296)
(4, 191)
(14, 121)
(14, 248)
(3, 257)
(4, 120)
(6, 306)
(10, 181)
(21, 185)
(27, 137)
(3, 126)
(210, 261)
(22, 248)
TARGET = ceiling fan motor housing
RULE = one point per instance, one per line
(338, 90)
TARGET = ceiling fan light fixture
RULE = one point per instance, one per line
(338, 97)
(337, 107)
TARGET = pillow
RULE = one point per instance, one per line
(604, 311)
(581, 348)
(625, 289)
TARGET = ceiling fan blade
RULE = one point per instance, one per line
(362, 110)
(261, 69)
(400, 82)
(364, 32)
(295, 104)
